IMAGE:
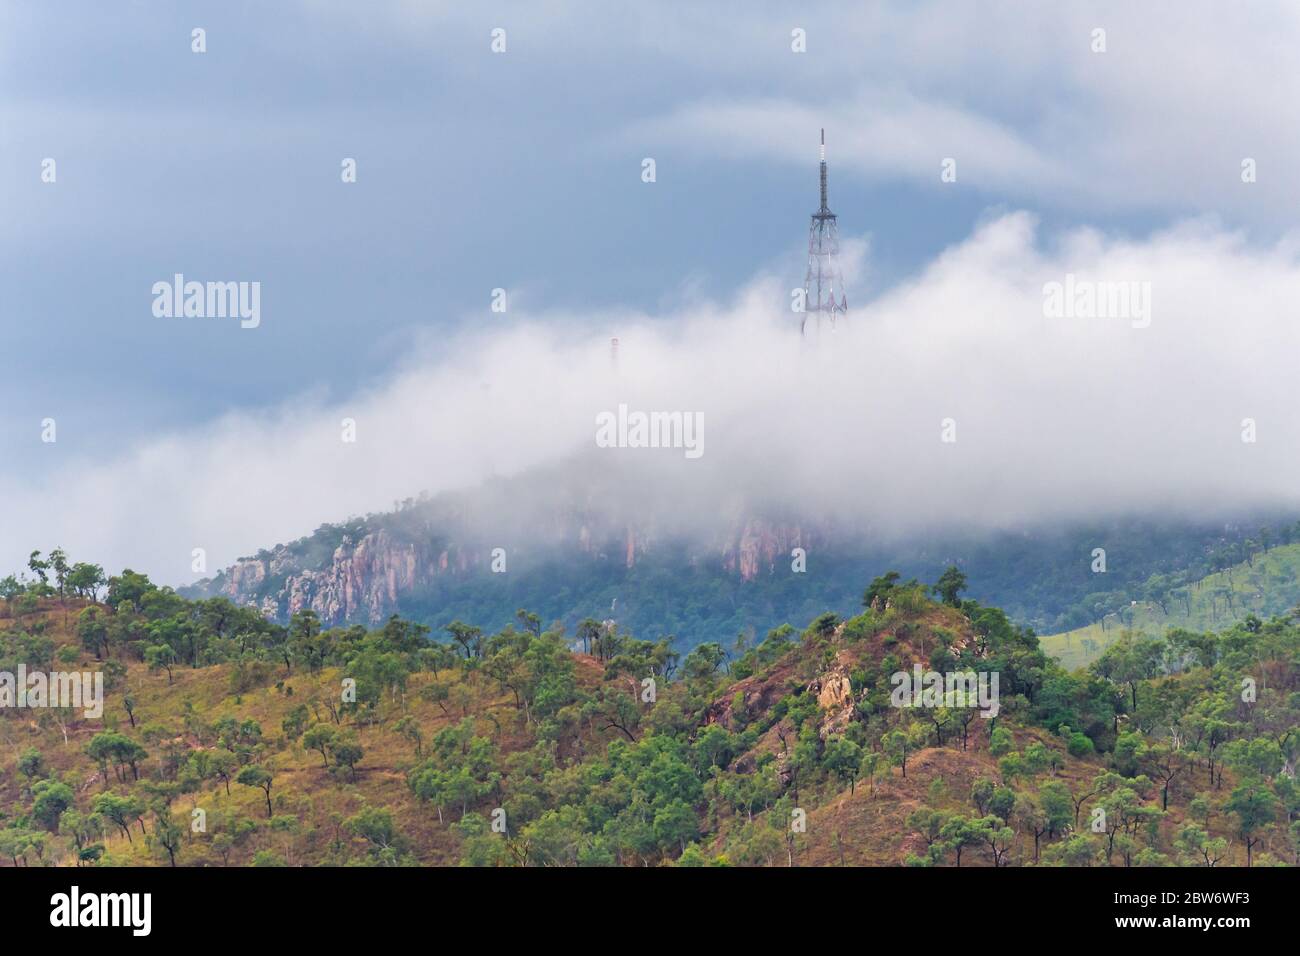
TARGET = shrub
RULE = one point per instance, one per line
(1080, 745)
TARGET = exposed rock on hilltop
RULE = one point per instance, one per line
(602, 537)
(368, 576)
(568, 527)
(760, 546)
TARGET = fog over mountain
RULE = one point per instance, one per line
(1055, 418)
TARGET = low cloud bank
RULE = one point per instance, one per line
(1055, 418)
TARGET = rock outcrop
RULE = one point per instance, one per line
(834, 693)
(363, 580)
(759, 546)
(369, 574)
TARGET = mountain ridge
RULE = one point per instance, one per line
(573, 554)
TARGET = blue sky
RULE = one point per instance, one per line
(522, 170)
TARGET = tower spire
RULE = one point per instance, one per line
(823, 209)
(823, 284)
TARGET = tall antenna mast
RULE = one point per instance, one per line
(823, 209)
(823, 285)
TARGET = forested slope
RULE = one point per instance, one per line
(1265, 583)
(529, 746)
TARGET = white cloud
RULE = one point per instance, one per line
(1158, 122)
(881, 134)
(1056, 418)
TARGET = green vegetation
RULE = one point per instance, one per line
(1265, 582)
(227, 739)
(1041, 579)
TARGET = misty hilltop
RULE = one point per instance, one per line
(594, 542)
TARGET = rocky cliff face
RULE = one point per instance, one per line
(363, 580)
(368, 575)
(759, 546)
(577, 524)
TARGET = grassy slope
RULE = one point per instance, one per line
(1268, 585)
(868, 826)
(302, 786)
(865, 828)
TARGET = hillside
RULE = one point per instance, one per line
(1265, 584)
(530, 746)
(590, 553)
(178, 717)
